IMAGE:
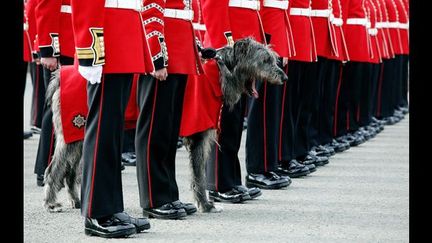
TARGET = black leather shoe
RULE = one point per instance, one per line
(252, 192)
(111, 227)
(313, 159)
(188, 207)
(122, 167)
(27, 134)
(356, 139)
(166, 211)
(292, 169)
(322, 151)
(40, 180)
(139, 223)
(339, 146)
(129, 158)
(231, 196)
(268, 180)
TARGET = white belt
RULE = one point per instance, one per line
(281, 4)
(125, 4)
(393, 25)
(373, 31)
(337, 21)
(179, 14)
(357, 21)
(368, 24)
(320, 13)
(250, 4)
(198, 26)
(404, 25)
(66, 9)
(379, 25)
(300, 11)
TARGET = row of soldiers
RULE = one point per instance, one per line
(347, 63)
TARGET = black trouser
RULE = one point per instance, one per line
(397, 82)
(369, 94)
(263, 129)
(38, 96)
(386, 91)
(47, 140)
(322, 119)
(223, 166)
(156, 139)
(129, 140)
(354, 74)
(376, 96)
(405, 77)
(101, 188)
(297, 109)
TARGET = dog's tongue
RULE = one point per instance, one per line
(254, 91)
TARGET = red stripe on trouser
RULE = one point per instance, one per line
(96, 146)
(281, 123)
(265, 127)
(36, 96)
(51, 145)
(148, 145)
(378, 113)
(337, 102)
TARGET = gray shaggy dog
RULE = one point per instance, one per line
(240, 67)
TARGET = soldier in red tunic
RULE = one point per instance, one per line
(303, 93)
(55, 41)
(401, 102)
(175, 55)
(277, 26)
(110, 47)
(31, 59)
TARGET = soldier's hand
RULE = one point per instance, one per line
(160, 74)
(284, 61)
(49, 63)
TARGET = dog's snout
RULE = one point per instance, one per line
(284, 78)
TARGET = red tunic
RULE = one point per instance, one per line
(171, 39)
(323, 29)
(356, 35)
(54, 28)
(393, 29)
(276, 24)
(110, 36)
(373, 32)
(403, 27)
(302, 32)
(339, 36)
(29, 29)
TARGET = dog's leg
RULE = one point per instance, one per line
(199, 147)
(54, 176)
(74, 157)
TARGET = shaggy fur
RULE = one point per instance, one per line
(239, 66)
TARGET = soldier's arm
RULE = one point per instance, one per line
(216, 18)
(47, 14)
(153, 20)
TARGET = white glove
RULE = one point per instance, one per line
(93, 74)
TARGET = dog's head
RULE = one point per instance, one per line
(245, 63)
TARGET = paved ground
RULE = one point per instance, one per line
(360, 196)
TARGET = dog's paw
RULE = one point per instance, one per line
(210, 208)
(216, 209)
(53, 207)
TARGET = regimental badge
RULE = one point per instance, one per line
(55, 44)
(230, 40)
(79, 121)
